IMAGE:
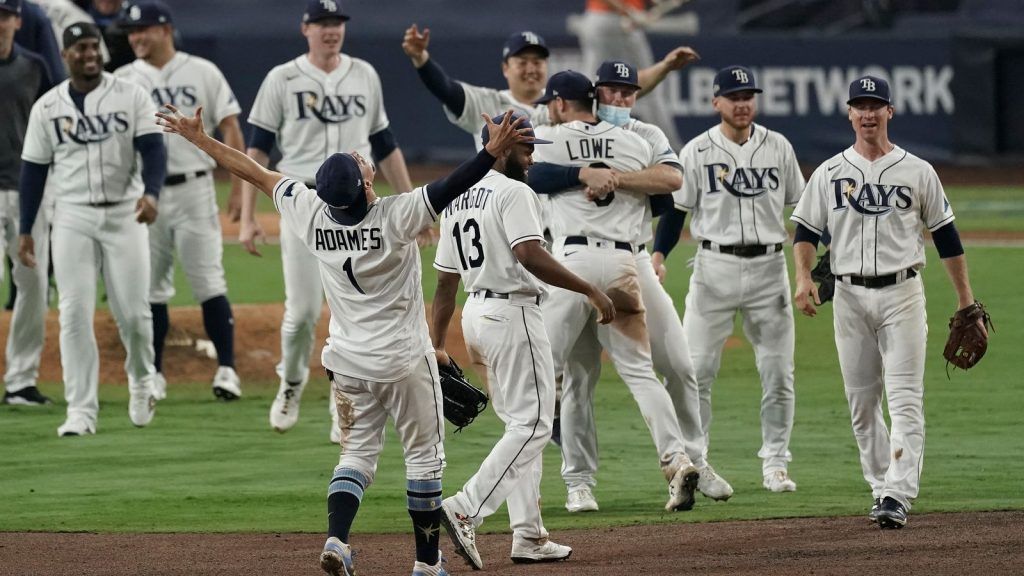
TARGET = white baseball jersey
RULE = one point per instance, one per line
(315, 114)
(371, 275)
(663, 154)
(736, 193)
(480, 100)
(619, 216)
(187, 82)
(874, 210)
(91, 150)
(479, 229)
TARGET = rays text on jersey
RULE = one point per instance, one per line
(329, 109)
(870, 199)
(86, 129)
(352, 240)
(742, 182)
(177, 95)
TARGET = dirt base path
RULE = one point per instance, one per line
(931, 545)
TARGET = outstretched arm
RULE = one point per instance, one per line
(233, 160)
(677, 59)
(444, 88)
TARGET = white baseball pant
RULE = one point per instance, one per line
(303, 300)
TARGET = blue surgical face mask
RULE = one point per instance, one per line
(616, 115)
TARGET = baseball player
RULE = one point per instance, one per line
(593, 236)
(319, 103)
(737, 178)
(875, 198)
(617, 86)
(188, 220)
(90, 130)
(495, 247)
(24, 77)
(380, 360)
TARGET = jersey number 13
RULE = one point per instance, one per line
(471, 232)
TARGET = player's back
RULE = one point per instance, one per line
(371, 275)
(619, 215)
(480, 228)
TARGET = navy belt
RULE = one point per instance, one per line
(880, 281)
(175, 179)
(743, 251)
(485, 294)
(583, 241)
(107, 204)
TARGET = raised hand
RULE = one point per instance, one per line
(174, 122)
(502, 137)
(680, 57)
(415, 43)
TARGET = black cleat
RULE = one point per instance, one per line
(891, 514)
(26, 397)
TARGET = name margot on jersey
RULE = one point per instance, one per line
(352, 240)
(476, 197)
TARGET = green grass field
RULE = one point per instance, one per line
(212, 467)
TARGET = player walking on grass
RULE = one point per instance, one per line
(90, 130)
(319, 103)
(491, 240)
(188, 220)
(379, 359)
(875, 198)
(737, 178)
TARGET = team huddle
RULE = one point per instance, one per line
(548, 228)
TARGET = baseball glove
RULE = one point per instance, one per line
(967, 342)
(822, 273)
(463, 402)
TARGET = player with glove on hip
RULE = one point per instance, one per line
(492, 240)
(875, 198)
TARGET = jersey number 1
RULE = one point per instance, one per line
(347, 267)
(473, 229)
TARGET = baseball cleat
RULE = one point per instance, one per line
(876, 505)
(712, 485)
(336, 559)
(892, 514)
(682, 487)
(76, 426)
(226, 384)
(284, 412)
(141, 402)
(463, 535)
(581, 500)
(30, 396)
(159, 386)
(779, 481)
(424, 569)
(532, 550)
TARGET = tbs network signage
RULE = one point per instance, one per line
(806, 83)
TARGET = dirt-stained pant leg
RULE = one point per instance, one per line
(303, 299)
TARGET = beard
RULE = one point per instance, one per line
(515, 170)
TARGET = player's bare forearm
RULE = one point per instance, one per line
(804, 256)
(956, 269)
(805, 296)
(395, 171)
(231, 133)
(248, 190)
(443, 308)
(650, 77)
(660, 179)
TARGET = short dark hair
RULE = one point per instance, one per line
(581, 105)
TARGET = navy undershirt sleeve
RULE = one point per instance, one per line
(443, 191)
(382, 144)
(154, 162)
(661, 204)
(262, 140)
(33, 181)
(448, 91)
(548, 178)
(947, 241)
(670, 226)
(805, 234)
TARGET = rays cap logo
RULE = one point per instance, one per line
(12, 6)
(567, 85)
(869, 87)
(522, 41)
(617, 72)
(145, 13)
(485, 136)
(80, 31)
(317, 10)
(735, 79)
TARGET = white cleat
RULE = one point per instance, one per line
(682, 486)
(226, 384)
(335, 423)
(531, 550)
(141, 401)
(284, 412)
(336, 559)
(159, 386)
(779, 481)
(76, 426)
(463, 535)
(712, 485)
(581, 500)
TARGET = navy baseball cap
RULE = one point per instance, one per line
(13, 6)
(485, 136)
(317, 10)
(524, 40)
(735, 79)
(145, 13)
(869, 87)
(568, 85)
(80, 31)
(339, 183)
(617, 72)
